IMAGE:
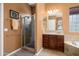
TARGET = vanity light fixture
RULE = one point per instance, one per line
(55, 12)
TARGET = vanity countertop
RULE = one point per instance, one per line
(51, 33)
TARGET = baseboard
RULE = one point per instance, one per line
(13, 52)
(36, 54)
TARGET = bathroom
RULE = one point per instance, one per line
(41, 29)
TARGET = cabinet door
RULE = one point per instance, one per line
(45, 41)
(60, 42)
(52, 41)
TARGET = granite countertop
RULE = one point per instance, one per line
(51, 33)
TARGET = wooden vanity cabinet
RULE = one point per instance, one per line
(53, 42)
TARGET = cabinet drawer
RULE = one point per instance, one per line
(60, 37)
(45, 36)
(52, 36)
(60, 43)
(45, 41)
(46, 44)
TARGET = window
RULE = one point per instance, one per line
(74, 19)
(74, 23)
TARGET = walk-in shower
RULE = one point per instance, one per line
(28, 34)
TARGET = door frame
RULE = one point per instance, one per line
(2, 29)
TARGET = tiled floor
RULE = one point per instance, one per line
(23, 52)
(44, 52)
(48, 52)
(6, 53)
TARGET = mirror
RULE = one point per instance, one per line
(53, 21)
(51, 25)
(59, 24)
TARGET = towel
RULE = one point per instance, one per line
(15, 24)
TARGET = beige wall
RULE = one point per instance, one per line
(64, 7)
(41, 10)
(40, 14)
(12, 38)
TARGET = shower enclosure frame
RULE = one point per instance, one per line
(23, 15)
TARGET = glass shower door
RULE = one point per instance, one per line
(28, 30)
